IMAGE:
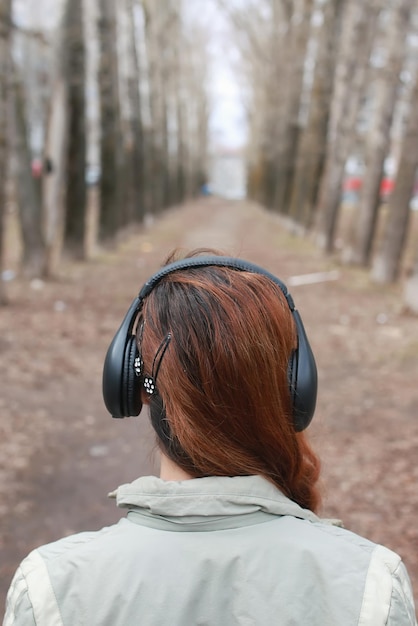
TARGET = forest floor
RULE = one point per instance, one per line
(61, 453)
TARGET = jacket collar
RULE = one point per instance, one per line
(205, 497)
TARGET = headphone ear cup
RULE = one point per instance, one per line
(303, 379)
(121, 393)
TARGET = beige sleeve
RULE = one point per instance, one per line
(31, 600)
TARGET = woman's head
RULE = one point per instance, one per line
(221, 340)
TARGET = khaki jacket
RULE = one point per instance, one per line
(211, 551)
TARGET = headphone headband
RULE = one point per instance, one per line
(121, 388)
(207, 261)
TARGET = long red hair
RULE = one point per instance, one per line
(223, 393)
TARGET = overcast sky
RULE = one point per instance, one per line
(227, 122)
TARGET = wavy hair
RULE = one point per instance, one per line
(223, 405)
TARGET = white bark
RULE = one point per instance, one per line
(294, 69)
(92, 127)
(359, 26)
(410, 294)
(311, 148)
(54, 183)
(378, 140)
(5, 15)
(28, 192)
(387, 263)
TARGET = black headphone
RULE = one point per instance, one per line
(122, 386)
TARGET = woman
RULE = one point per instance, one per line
(228, 534)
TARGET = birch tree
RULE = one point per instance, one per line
(137, 155)
(91, 40)
(196, 110)
(5, 22)
(155, 23)
(387, 263)
(385, 92)
(251, 31)
(75, 194)
(111, 143)
(56, 151)
(260, 30)
(182, 160)
(28, 191)
(294, 49)
(357, 37)
(312, 143)
(410, 294)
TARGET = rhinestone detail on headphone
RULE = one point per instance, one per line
(150, 382)
(138, 365)
(138, 362)
(149, 385)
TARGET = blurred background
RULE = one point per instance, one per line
(284, 131)
(113, 111)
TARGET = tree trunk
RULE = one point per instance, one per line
(359, 25)
(75, 225)
(57, 150)
(410, 296)
(264, 42)
(158, 174)
(182, 147)
(91, 43)
(299, 26)
(111, 148)
(275, 115)
(386, 265)
(5, 23)
(311, 149)
(378, 140)
(137, 154)
(178, 153)
(54, 183)
(196, 112)
(28, 190)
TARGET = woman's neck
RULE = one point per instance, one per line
(171, 471)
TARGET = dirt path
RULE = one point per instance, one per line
(60, 453)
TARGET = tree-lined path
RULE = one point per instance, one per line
(60, 453)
